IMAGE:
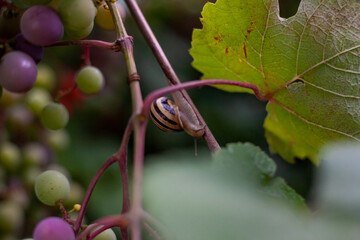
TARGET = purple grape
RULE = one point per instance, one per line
(53, 228)
(41, 25)
(17, 72)
(34, 51)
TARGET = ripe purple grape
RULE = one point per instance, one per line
(53, 228)
(17, 72)
(41, 25)
(34, 51)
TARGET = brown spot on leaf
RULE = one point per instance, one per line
(218, 39)
(227, 51)
(245, 52)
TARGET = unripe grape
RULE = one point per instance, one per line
(46, 77)
(19, 116)
(34, 153)
(53, 228)
(9, 98)
(54, 116)
(37, 99)
(17, 72)
(104, 19)
(77, 17)
(58, 140)
(90, 80)
(79, 33)
(10, 156)
(108, 234)
(76, 194)
(11, 216)
(29, 176)
(51, 186)
(59, 168)
(41, 25)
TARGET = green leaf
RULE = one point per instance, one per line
(192, 202)
(244, 163)
(338, 180)
(246, 160)
(307, 66)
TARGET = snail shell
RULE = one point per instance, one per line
(165, 115)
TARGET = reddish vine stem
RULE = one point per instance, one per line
(104, 223)
(152, 232)
(166, 67)
(136, 208)
(66, 92)
(120, 156)
(86, 42)
(197, 83)
(89, 191)
(86, 56)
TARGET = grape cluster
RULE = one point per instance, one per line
(33, 114)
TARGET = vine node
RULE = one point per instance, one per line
(122, 43)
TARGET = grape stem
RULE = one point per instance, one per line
(126, 45)
(197, 83)
(86, 56)
(121, 157)
(152, 232)
(167, 68)
(102, 225)
(90, 43)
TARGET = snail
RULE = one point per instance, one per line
(176, 116)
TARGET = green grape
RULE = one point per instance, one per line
(34, 154)
(54, 116)
(76, 195)
(58, 168)
(108, 234)
(58, 140)
(11, 216)
(37, 99)
(19, 116)
(10, 156)
(79, 33)
(90, 80)
(29, 175)
(104, 19)
(51, 186)
(46, 77)
(9, 98)
(77, 16)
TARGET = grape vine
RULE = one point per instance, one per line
(39, 114)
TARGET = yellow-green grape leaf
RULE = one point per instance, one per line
(308, 66)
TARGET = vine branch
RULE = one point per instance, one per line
(197, 83)
(167, 68)
(86, 42)
(120, 156)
